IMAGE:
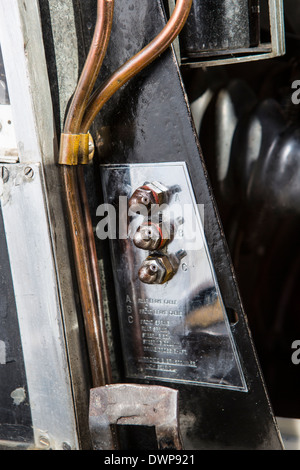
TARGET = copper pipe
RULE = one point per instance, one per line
(84, 275)
(89, 295)
(95, 271)
(137, 63)
(92, 66)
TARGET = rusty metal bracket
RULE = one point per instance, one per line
(75, 149)
(132, 404)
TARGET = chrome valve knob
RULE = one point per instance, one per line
(160, 268)
(153, 236)
(149, 195)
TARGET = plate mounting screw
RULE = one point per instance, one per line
(28, 172)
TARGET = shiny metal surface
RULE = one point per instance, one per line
(8, 143)
(290, 432)
(4, 98)
(177, 331)
(132, 404)
(38, 307)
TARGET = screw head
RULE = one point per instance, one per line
(91, 147)
(44, 442)
(66, 446)
(28, 172)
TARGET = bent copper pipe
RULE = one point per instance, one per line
(81, 238)
(137, 63)
(92, 66)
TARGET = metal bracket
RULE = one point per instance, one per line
(76, 149)
(131, 404)
(29, 243)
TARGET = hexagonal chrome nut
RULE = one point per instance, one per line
(160, 268)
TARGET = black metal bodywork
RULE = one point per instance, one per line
(149, 120)
(220, 26)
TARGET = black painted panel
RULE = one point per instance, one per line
(149, 121)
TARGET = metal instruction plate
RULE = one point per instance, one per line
(175, 330)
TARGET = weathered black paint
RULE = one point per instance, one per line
(149, 121)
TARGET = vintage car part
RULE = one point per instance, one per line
(188, 333)
(222, 32)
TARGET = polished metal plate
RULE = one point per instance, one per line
(177, 331)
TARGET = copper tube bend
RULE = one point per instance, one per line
(138, 62)
(92, 66)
